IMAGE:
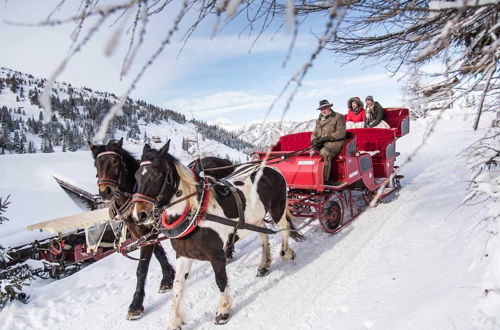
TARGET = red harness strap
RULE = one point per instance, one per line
(108, 182)
(143, 198)
(195, 222)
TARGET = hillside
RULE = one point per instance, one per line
(77, 113)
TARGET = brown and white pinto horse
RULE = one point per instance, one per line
(163, 178)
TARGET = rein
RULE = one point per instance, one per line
(280, 157)
(204, 192)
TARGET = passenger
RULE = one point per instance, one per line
(328, 135)
(356, 116)
(374, 114)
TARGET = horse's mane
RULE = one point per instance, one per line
(187, 182)
(127, 157)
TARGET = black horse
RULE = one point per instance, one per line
(116, 169)
(164, 179)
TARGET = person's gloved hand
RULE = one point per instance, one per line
(325, 139)
(317, 144)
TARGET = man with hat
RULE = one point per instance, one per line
(328, 135)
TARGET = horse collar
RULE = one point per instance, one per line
(189, 219)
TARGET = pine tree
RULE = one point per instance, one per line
(13, 85)
(5, 142)
(34, 98)
(31, 147)
(18, 146)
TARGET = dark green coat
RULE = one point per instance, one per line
(376, 114)
(333, 127)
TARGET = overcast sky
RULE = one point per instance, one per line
(212, 78)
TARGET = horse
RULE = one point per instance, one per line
(161, 177)
(116, 169)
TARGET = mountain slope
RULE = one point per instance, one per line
(77, 113)
(266, 134)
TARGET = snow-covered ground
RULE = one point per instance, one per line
(416, 262)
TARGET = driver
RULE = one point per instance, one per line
(328, 135)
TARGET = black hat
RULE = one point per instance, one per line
(324, 104)
(369, 97)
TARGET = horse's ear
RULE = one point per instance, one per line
(119, 143)
(93, 149)
(146, 148)
(164, 149)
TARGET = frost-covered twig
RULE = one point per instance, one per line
(3, 207)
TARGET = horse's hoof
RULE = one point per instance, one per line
(221, 318)
(134, 315)
(229, 260)
(290, 255)
(262, 272)
(164, 288)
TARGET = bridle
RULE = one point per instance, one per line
(189, 218)
(108, 181)
(155, 201)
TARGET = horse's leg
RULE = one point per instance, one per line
(219, 266)
(167, 270)
(265, 261)
(286, 252)
(136, 308)
(230, 247)
(183, 266)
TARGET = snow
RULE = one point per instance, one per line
(416, 262)
(443, 5)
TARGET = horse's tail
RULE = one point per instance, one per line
(294, 233)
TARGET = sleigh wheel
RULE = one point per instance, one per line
(330, 217)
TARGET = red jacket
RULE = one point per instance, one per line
(359, 117)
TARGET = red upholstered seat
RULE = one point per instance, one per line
(399, 119)
(373, 139)
(293, 142)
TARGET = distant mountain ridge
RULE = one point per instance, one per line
(77, 113)
(263, 135)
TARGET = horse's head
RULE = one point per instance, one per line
(157, 182)
(110, 168)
